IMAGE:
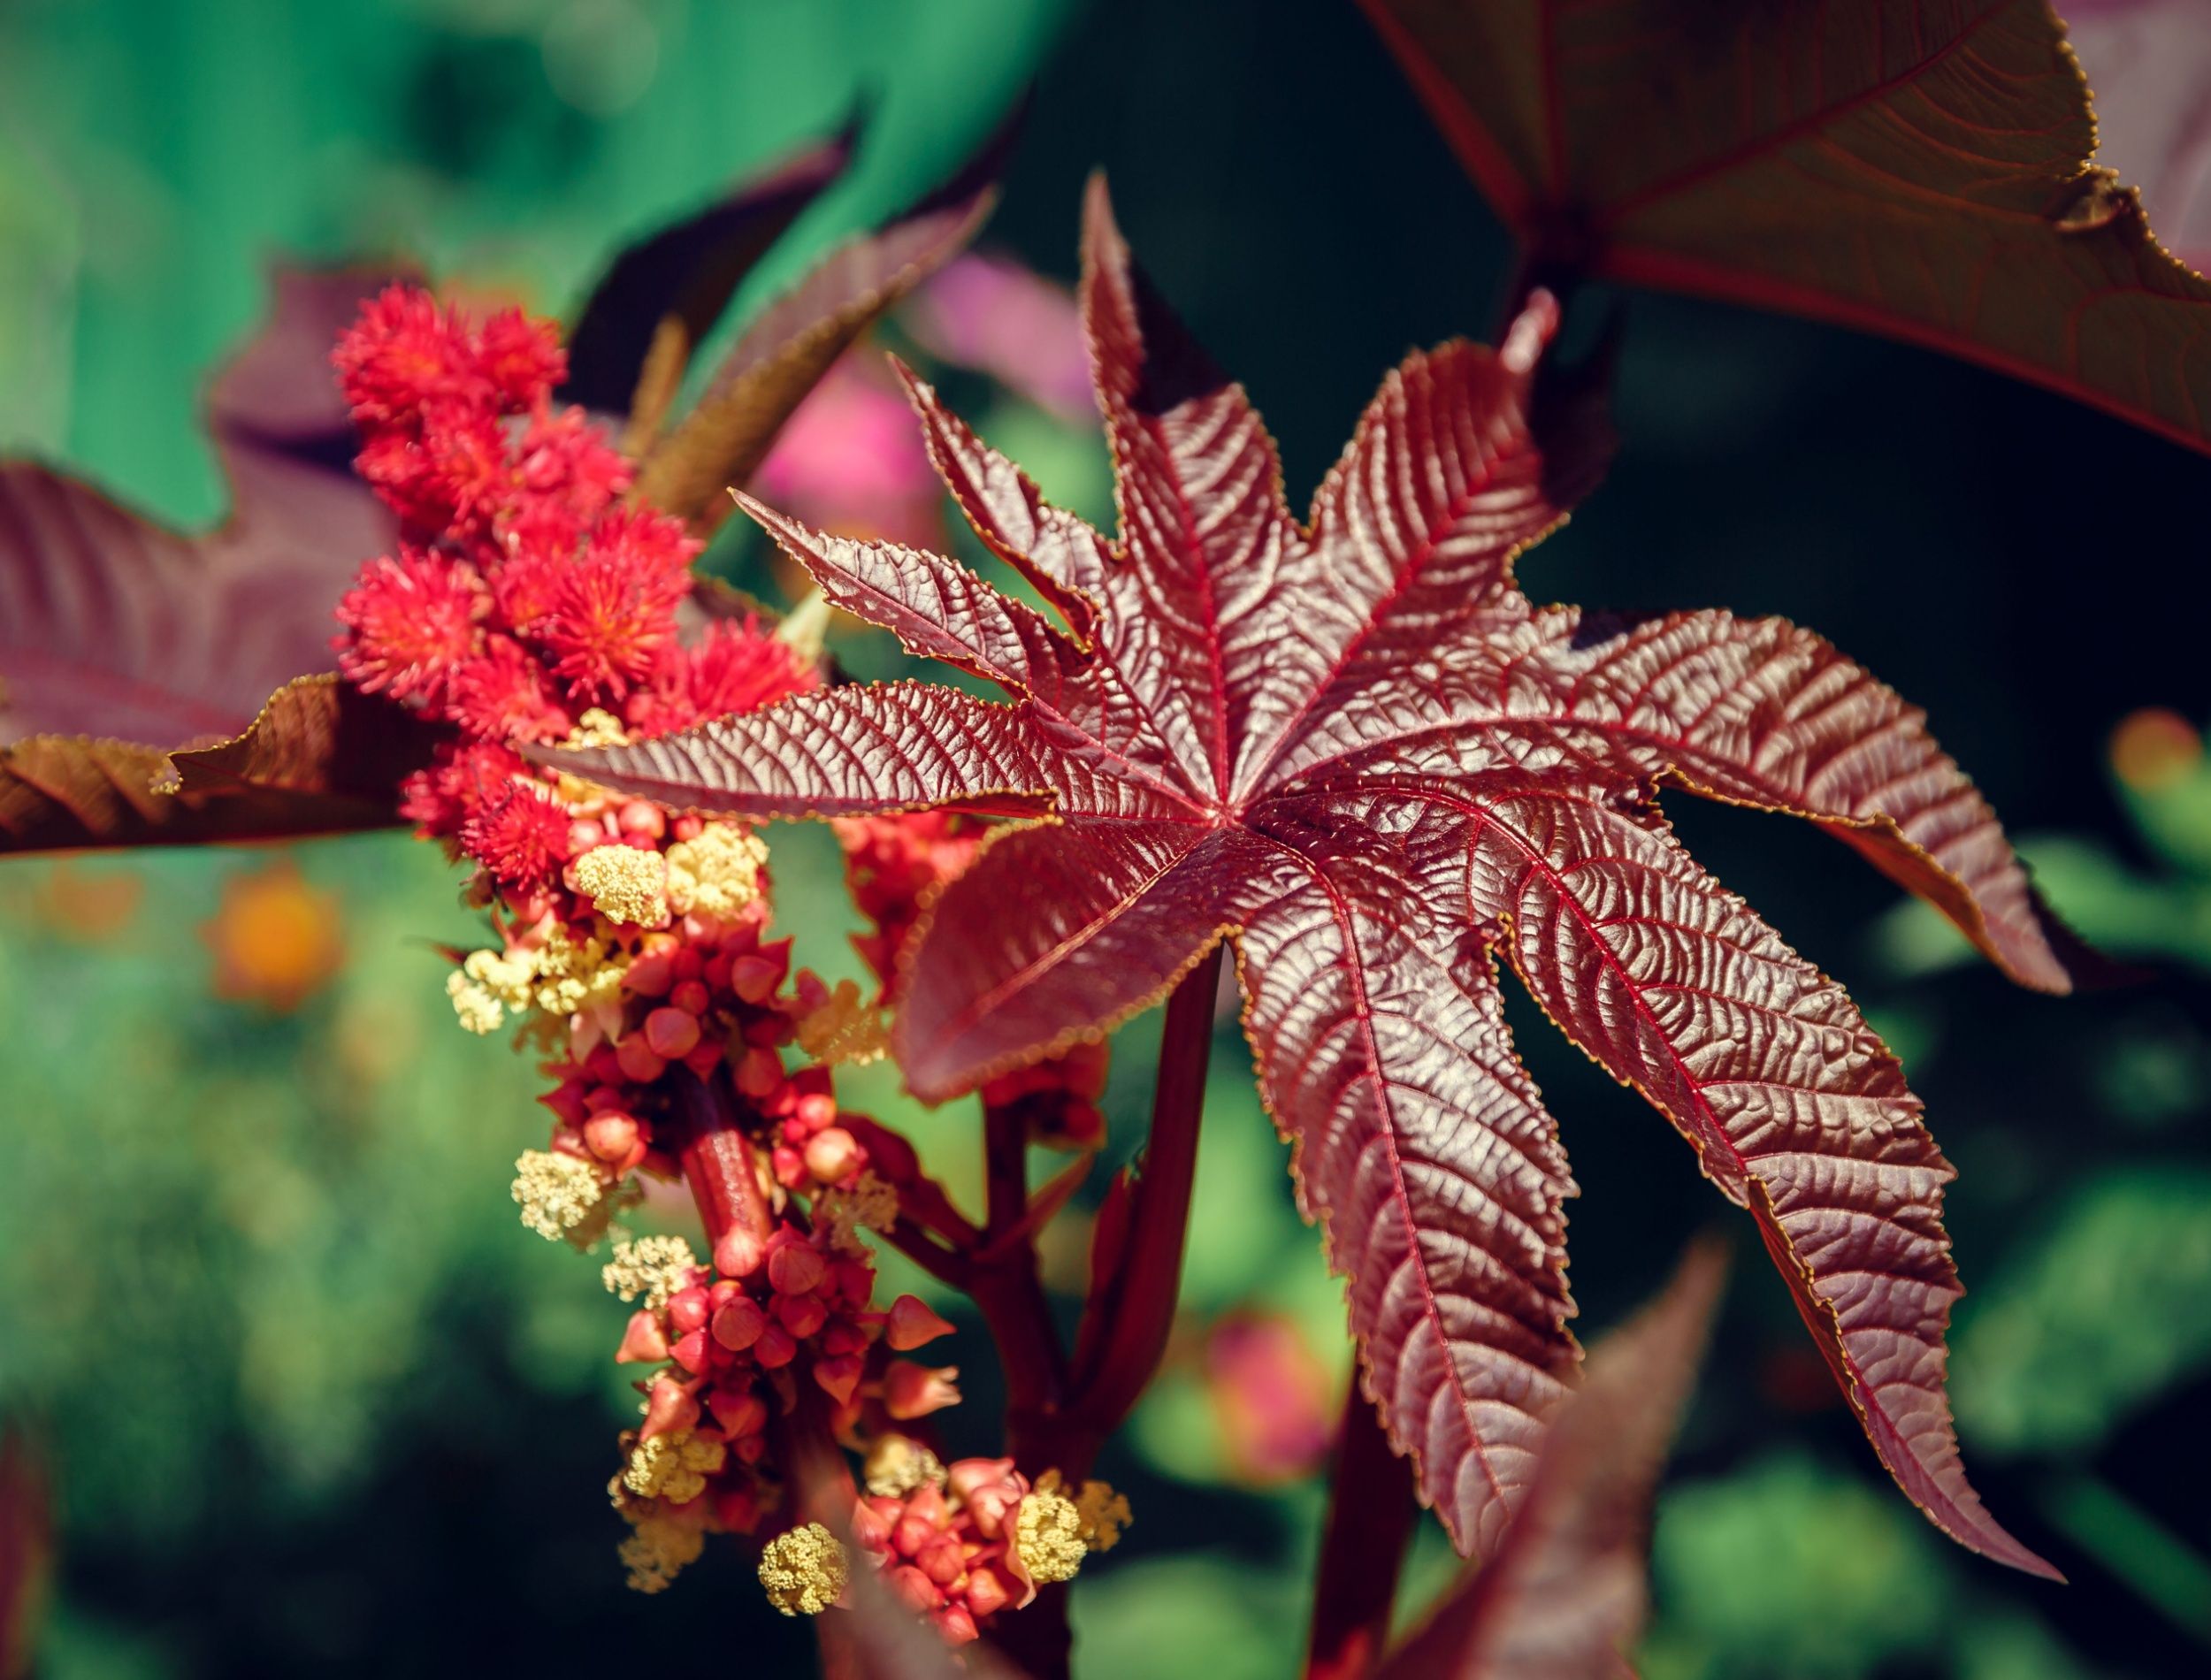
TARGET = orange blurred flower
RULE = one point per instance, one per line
(2153, 748)
(276, 939)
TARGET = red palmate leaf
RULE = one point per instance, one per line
(1355, 748)
(1566, 1594)
(1920, 168)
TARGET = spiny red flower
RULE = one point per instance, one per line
(519, 359)
(413, 621)
(501, 695)
(438, 799)
(402, 353)
(614, 610)
(736, 666)
(521, 837)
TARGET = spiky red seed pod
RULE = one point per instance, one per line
(521, 360)
(410, 620)
(521, 837)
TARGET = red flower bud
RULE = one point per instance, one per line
(688, 1310)
(611, 1136)
(672, 1033)
(912, 1391)
(941, 1560)
(911, 1324)
(739, 1253)
(638, 1060)
(801, 1314)
(988, 1592)
(776, 1347)
(740, 1412)
(691, 1351)
(955, 1626)
(838, 1376)
(643, 1342)
(690, 997)
(796, 1269)
(915, 1588)
(640, 816)
(738, 1324)
(833, 1156)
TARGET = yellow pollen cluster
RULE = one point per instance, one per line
(597, 727)
(559, 1196)
(654, 1267)
(716, 874)
(845, 1028)
(673, 1466)
(867, 1204)
(896, 1466)
(573, 977)
(479, 1010)
(804, 1570)
(1103, 1514)
(624, 883)
(657, 1550)
(1048, 1535)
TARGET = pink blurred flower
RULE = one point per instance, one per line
(850, 461)
(1275, 1396)
(999, 318)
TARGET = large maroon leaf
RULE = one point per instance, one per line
(121, 640)
(1566, 1594)
(1355, 748)
(1920, 168)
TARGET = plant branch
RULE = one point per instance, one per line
(1371, 1515)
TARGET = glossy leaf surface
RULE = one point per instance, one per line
(1351, 745)
(1920, 168)
(1566, 1594)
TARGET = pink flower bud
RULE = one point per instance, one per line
(955, 1626)
(941, 1560)
(776, 1347)
(642, 1343)
(838, 1376)
(671, 1033)
(796, 1269)
(738, 1324)
(706, 1055)
(755, 979)
(911, 1391)
(640, 816)
(832, 1156)
(669, 1407)
(638, 1059)
(988, 1592)
(911, 1324)
(759, 1074)
(691, 1351)
(739, 1411)
(688, 827)
(964, 1476)
(844, 1337)
(915, 1588)
(691, 997)
(583, 835)
(611, 1136)
(871, 1523)
(803, 1316)
(688, 1310)
(739, 1253)
(788, 1165)
(911, 1534)
(752, 1449)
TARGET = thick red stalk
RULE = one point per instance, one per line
(1371, 1515)
(1134, 1306)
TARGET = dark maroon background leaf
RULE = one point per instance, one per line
(686, 272)
(1567, 1593)
(1355, 748)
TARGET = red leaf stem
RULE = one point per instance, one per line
(1136, 1303)
(1371, 1514)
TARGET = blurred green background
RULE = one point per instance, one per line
(310, 1400)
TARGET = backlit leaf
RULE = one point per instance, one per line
(1920, 168)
